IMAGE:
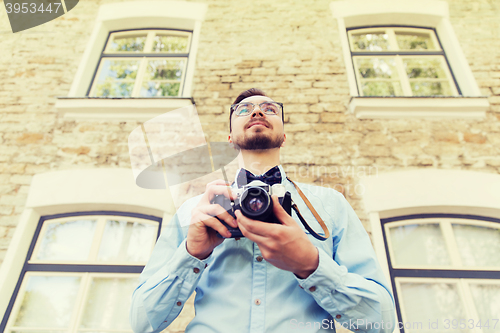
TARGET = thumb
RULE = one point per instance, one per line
(280, 213)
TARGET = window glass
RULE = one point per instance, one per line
(378, 76)
(414, 41)
(70, 240)
(48, 302)
(108, 304)
(374, 41)
(170, 44)
(130, 43)
(430, 301)
(126, 241)
(418, 245)
(117, 78)
(487, 301)
(162, 78)
(478, 245)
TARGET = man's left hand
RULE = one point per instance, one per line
(285, 245)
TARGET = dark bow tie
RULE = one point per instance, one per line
(271, 177)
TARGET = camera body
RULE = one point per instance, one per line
(254, 201)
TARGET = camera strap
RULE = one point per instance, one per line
(313, 211)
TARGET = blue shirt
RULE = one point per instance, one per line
(238, 291)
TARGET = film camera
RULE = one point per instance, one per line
(254, 201)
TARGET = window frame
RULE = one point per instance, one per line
(73, 268)
(462, 276)
(426, 14)
(144, 57)
(400, 54)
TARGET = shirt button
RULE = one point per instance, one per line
(206, 265)
(257, 301)
(179, 303)
(259, 258)
(313, 288)
(338, 316)
(196, 270)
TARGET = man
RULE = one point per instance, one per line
(278, 278)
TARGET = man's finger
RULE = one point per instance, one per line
(258, 239)
(255, 227)
(220, 189)
(219, 211)
(280, 212)
(212, 222)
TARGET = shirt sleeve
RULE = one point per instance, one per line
(166, 283)
(351, 286)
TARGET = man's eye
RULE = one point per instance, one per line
(269, 108)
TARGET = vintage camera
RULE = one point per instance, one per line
(254, 201)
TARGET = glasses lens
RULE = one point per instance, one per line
(270, 108)
(243, 109)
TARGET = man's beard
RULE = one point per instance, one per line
(259, 142)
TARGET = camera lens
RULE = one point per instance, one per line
(255, 202)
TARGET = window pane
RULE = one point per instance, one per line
(69, 240)
(478, 246)
(372, 68)
(130, 43)
(170, 44)
(430, 88)
(388, 88)
(48, 301)
(418, 245)
(127, 241)
(424, 67)
(430, 301)
(487, 301)
(162, 78)
(375, 41)
(414, 41)
(108, 303)
(116, 78)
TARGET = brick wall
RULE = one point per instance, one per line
(289, 48)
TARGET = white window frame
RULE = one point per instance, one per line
(421, 191)
(176, 15)
(59, 192)
(426, 14)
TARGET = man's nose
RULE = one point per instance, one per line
(257, 111)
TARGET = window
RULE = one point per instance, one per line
(436, 234)
(142, 63)
(403, 60)
(399, 61)
(139, 62)
(80, 272)
(445, 269)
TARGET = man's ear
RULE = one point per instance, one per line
(284, 140)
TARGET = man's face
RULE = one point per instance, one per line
(257, 131)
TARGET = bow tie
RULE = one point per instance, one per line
(271, 177)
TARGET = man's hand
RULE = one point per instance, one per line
(202, 237)
(285, 246)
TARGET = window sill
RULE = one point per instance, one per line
(139, 109)
(419, 107)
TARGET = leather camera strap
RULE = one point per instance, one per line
(313, 211)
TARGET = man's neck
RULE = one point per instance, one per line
(259, 161)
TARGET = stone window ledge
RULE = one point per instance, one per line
(419, 107)
(139, 109)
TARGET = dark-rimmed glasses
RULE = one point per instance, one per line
(269, 108)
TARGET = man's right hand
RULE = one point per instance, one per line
(202, 237)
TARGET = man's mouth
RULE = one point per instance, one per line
(257, 123)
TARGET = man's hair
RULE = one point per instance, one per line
(248, 93)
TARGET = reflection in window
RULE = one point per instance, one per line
(143, 63)
(400, 62)
(69, 240)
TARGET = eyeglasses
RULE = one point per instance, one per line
(244, 109)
